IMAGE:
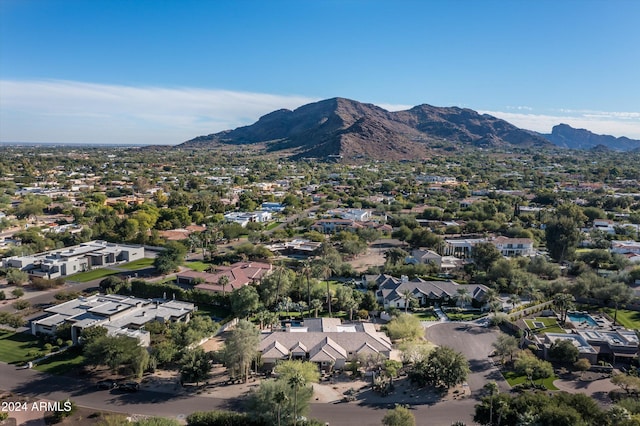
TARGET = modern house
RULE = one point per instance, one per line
(120, 315)
(596, 345)
(325, 341)
(239, 274)
(70, 260)
(461, 247)
(244, 218)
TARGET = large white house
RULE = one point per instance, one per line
(513, 247)
(70, 260)
(120, 315)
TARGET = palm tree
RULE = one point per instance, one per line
(407, 296)
(296, 382)
(306, 272)
(492, 388)
(564, 302)
(279, 398)
(514, 299)
(223, 281)
(463, 296)
(278, 271)
(316, 305)
(325, 271)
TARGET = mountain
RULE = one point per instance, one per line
(347, 128)
(566, 136)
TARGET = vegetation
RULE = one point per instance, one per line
(405, 327)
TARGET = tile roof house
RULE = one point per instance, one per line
(325, 341)
(390, 290)
(239, 274)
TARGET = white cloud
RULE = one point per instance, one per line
(599, 122)
(67, 111)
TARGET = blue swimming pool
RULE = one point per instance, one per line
(580, 318)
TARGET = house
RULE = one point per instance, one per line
(425, 256)
(461, 247)
(272, 207)
(325, 341)
(120, 315)
(70, 260)
(604, 225)
(599, 344)
(244, 218)
(513, 247)
(331, 226)
(391, 291)
(239, 274)
(623, 247)
(357, 215)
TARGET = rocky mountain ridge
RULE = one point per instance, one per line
(351, 129)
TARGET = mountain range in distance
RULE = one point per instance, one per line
(345, 128)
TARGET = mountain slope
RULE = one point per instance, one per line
(566, 136)
(349, 128)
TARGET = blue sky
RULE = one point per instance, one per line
(119, 71)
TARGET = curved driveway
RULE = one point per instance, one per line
(475, 343)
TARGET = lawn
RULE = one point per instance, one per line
(626, 318)
(197, 265)
(83, 277)
(513, 379)
(138, 264)
(550, 325)
(15, 346)
(426, 315)
(272, 225)
(62, 363)
(213, 311)
(461, 316)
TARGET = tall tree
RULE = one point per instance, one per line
(562, 237)
(241, 349)
(195, 366)
(485, 255)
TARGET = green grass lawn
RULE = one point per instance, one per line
(15, 346)
(513, 379)
(626, 318)
(272, 225)
(550, 325)
(83, 277)
(426, 315)
(197, 265)
(213, 311)
(62, 363)
(138, 264)
(463, 316)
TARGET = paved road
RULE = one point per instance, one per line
(38, 385)
(474, 342)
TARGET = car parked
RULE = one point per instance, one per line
(107, 384)
(129, 386)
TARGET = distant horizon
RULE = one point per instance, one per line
(161, 73)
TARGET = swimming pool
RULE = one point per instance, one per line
(579, 318)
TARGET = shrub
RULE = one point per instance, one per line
(21, 304)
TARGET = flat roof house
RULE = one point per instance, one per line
(71, 260)
(120, 315)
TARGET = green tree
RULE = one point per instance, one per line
(443, 367)
(244, 301)
(405, 327)
(399, 416)
(562, 238)
(505, 345)
(195, 366)
(16, 277)
(485, 255)
(241, 349)
(563, 350)
(170, 259)
(564, 302)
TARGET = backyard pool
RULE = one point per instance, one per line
(582, 318)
